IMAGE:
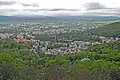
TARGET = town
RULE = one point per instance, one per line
(50, 38)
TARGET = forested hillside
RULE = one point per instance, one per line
(109, 30)
(98, 62)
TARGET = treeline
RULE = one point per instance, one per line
(98, 62)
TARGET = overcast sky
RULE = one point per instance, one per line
(60, 7)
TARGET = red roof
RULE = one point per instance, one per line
(20, 40)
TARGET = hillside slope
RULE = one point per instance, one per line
(109, 30)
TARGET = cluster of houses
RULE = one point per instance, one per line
(5, 35)
(47, 47)
(109, 39)
(17, 38)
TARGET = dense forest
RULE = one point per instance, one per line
(98, 62)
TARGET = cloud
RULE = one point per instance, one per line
(105, 12)
(4, 10)
(14, 2)
(61, 9)
(42, 8)
(94, 6)
(27, 5)
(7, 3)
(55, 9)
(7, 11)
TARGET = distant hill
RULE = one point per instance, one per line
(110, 30)
(24, 17)
(90, 17)
(59, 17)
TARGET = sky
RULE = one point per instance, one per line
(60, 7)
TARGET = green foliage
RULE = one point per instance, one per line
(98, 62)
(112, 30)
(58, 59)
